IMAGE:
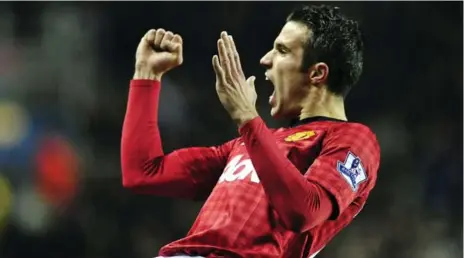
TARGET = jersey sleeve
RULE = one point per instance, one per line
(347, 165)
(185, 173)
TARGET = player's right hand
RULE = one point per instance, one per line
(158, 52)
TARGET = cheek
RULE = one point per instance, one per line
(287, 68)
(290, 78)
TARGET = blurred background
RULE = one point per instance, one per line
(64, 74)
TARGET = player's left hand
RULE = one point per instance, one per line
(237, 94)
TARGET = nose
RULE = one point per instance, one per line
(266, 60)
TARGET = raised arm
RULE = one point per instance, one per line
(185, 173)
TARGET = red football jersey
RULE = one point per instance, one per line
(239, 217)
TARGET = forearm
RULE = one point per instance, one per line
(299, 203)
(140, 141)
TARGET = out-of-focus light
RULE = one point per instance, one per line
(57, 170)
(30, 212)
(6, 199)
(14, 123)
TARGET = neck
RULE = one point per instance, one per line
(321, 102)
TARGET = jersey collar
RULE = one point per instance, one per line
(297, 122)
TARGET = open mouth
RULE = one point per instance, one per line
(272, 97)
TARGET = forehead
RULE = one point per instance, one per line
(293, 35)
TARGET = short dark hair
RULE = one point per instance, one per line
(335, 40)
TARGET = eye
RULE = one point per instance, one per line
(282, 49)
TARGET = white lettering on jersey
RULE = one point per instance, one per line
(239, 170)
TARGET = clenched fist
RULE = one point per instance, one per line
(158, 52)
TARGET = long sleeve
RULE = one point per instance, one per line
(185, 173)
(301, 201)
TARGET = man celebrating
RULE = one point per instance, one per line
(269, 193)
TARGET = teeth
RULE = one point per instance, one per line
(267, 78)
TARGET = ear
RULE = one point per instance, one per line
(318, 73)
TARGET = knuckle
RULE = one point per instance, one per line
(160, 32)
(150, 34)
(168, 36)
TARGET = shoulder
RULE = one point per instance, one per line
(355, 138)
(351, 128)
(352, 135)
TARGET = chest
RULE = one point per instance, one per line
(300, 147)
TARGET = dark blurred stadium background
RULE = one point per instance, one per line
(64, 73)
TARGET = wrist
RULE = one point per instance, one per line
(244, 117)
(145, 75)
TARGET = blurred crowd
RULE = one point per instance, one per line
(64, 74)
